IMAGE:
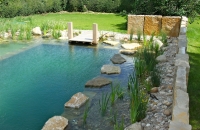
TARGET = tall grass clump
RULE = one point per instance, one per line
(163, 38)
(56, 34)
(28, 33)
(113, 94)
(119, 126)
(103, 103)
(139, 100)
(131, 35)
(139, 35)
(155, 77)
(139, 66)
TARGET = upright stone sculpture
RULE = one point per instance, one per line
(152, 23)
(171, 25)
(135, 23)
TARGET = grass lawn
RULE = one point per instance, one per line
(193, 50)
(81, 21)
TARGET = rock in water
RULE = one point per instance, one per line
(131, 46)
(117, 59)
(56, 123)
(98, 82)
(110, 69)
(127, 52)
(76, 100)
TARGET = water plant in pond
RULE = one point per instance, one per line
(103, 103)
(144, 39)
(113, 94)
(56, 34)
(139, 65)
(85, 114)
(119, 126)
(151, 38)
(139, 99)
(28, 33)
(13, 31)
(21, 33)
(119, 92)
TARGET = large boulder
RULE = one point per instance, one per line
(56, 123)
(135, 24)
(98, 82)
(110, 69)
(117, 59)
(131, 46)
(77, 100)
(152, 23)
(36, 31)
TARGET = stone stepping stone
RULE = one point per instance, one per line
(77, 100)
(98, 82)
(56, 123)
(131, 46)
(117, 59)
(127, 52)
(110, 69)
(112, 43)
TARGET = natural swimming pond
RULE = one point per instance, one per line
(36, 83)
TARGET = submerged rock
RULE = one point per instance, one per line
(110, 69)
(117, 59)
(56, 123)
(98, 82)
(76, 100)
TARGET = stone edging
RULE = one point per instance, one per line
(180, 110)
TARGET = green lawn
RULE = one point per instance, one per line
(81, 21)
(193, 50)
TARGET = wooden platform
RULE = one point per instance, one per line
(82, 38)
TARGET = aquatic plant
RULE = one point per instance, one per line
(28, 33)
(139, 65)
(21, 33)
(138, 104)
(119, 92)
(151, 38)
(85, 114)
(113, 94)
(119, 126)
(163, 37)
(103, 103)
(56, 34)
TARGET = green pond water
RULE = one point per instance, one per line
(36, 83)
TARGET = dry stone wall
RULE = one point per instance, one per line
(155, 23)
(180, 112)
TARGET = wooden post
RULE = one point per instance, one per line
(70, 30)
(95, 33)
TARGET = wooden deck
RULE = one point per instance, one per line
(82, 38)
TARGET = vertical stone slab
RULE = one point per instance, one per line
(95, 33)
(171, 25)
(135, 23)
(70, 30)
(152, 23)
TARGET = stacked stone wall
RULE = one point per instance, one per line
(180, 110)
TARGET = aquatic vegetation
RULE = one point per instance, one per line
(119, 126)
(103, 103)
(85, 114)
(139, 35)
(163, 37)
(155, 77)
(131, 35)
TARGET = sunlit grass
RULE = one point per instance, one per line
(193, 50)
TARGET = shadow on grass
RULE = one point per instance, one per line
(194, 90)
(121, 26)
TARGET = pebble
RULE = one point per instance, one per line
(167, 112)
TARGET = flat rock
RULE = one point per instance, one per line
(56, 123)
(110, 69)
(76, 100)
(117, 59)
(98, 82)
(131, 46)
(127, 52)
(161, 58)
(176, 125)
(112, 43)
(135, 126)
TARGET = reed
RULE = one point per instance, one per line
(131, 35)
(103, 103)
(155, 77)
(113, 94)
(85, 114)
(139, 35)
(119, 126)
